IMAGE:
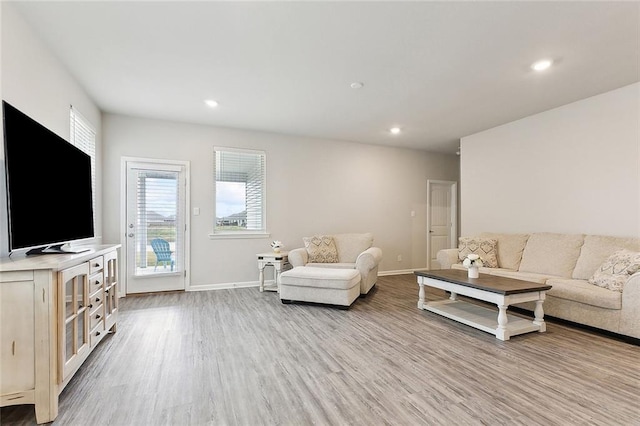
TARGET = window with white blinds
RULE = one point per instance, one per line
(240, 177)
(82, 135)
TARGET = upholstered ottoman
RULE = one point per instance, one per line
(320, 285)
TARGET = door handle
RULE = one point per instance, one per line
(431, 232)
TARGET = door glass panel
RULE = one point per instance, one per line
(68, 299)
(69, 352)
(80, 292)
(81, 336)
(156, 236)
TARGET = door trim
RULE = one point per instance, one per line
(453, 187)
(124, 162)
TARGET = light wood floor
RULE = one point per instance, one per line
(240, 357)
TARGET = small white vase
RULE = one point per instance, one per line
(276, 249)
(473, 272)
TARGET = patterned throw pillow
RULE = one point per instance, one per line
(486, 248)
(321, 249)
(616, 270)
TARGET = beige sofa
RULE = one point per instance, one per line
(566, 262)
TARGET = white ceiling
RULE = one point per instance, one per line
(438, 70)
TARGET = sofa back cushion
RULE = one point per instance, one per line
(351, 245)
(553, 254)
(510, 248)
(596, 249)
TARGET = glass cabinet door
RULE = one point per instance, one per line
(111, 289)
(74, 321)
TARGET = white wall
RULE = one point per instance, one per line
(313, 186)
(573, 169)
(35, 82)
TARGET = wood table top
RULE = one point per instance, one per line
(486, 282)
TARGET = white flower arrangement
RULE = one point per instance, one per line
(472, 260)
(276, 244)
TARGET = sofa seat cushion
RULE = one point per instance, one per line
(332, 265)
(551, 254)
(583, 292)
(331, 278)
(510, 248)
(597, 249)
(524, 276)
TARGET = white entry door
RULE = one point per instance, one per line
(155, 225)
(441, 218)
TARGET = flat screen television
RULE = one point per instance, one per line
(49, 197)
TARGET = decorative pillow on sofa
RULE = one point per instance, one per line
(616, 270)
(321, 249)
(486, 248)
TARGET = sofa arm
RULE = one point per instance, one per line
(368, 259)
(298, 257)
(630, 315)
(447, 257)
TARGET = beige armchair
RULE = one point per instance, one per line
(354, 251)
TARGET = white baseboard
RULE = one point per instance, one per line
(399, 272)
(226, 286)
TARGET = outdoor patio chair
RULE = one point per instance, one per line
(163, 252)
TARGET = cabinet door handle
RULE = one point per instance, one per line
(97, 299)
(97, 265)
(97, 333)
(98, 316)
(97, 282)
(90, 305)
(13, 348)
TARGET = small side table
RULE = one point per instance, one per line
(280, 263)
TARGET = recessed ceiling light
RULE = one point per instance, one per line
(211, 103)
(395, 130)
(357, 85)
(541, 65)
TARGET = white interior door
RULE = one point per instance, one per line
(156, 222)
(441, 219)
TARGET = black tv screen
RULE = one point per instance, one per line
(49, 198)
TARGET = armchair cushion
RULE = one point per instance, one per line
(321, 249)
(350, 246)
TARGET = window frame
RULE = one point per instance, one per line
(248, 233)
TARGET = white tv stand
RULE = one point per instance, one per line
(54, 310)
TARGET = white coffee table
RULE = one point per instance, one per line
(489, 288)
